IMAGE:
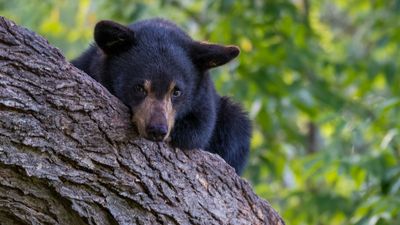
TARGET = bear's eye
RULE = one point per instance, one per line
(139, 89)
(176, 93)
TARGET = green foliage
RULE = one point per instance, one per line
(320, 80)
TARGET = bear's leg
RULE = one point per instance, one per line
(231, 135)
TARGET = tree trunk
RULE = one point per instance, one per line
(69, 154)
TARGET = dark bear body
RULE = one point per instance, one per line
(162, 75)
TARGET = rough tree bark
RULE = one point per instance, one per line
(69, 154)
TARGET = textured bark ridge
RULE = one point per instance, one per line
(69, 154)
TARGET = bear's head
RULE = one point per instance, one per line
(157, 70)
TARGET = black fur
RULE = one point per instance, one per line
(157, 50)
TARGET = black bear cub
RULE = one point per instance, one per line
(162, 75)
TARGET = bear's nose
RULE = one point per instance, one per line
(156, 132)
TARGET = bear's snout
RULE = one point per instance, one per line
(155, 116)
(156, 132)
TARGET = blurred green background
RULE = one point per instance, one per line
(320, 79)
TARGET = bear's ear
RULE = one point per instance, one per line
(112, 37)
(207, 55)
